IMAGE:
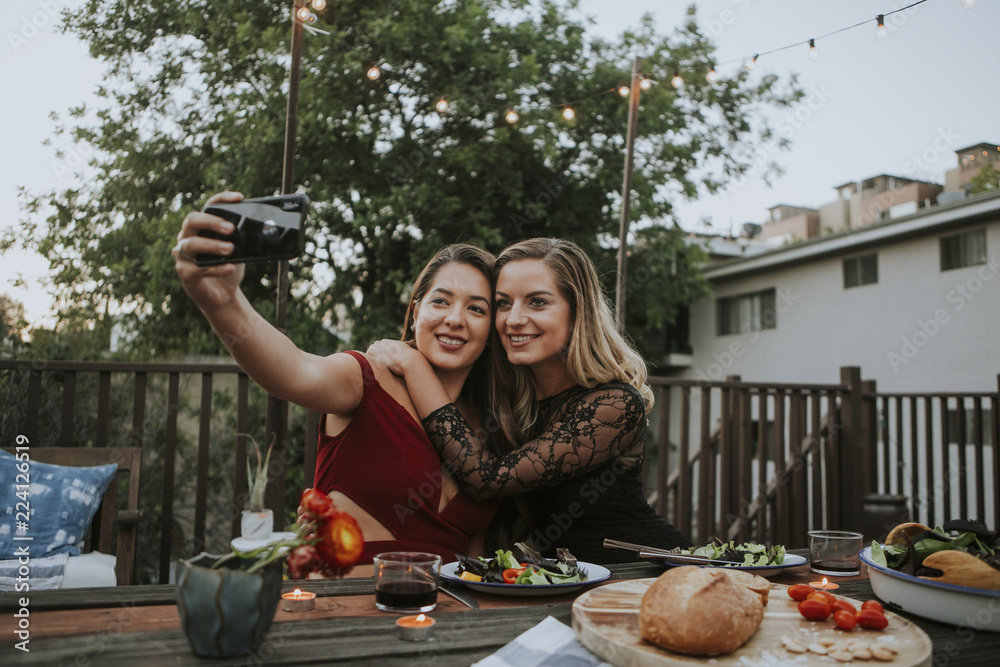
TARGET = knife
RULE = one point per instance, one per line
(459, 594)
(679, 559)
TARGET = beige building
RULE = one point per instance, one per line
(875, 199)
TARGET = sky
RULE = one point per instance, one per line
(899, 106)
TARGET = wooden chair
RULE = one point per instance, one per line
(99, 535)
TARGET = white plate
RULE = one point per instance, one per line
(595, 574)
(966, 607)
(791, 560)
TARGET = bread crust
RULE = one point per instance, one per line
(699, 611)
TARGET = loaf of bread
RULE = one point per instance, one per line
(701, 610)
(754, 582)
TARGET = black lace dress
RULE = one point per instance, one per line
(580, 471)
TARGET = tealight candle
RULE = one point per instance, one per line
(416, 628)
(824, 585)
(298, 600)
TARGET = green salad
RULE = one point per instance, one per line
(748, 554)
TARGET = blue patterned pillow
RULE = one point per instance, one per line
(62, 501)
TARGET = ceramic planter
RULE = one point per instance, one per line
(226, 612)
(256, 525)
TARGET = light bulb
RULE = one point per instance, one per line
(374, 73)
(568, 113)
(512, 116)
(969, 4)
(880, 31)
(312, 18)
(751, 63)
(677, 81)
(813, 53)
(442, 105)
(302, 13)
(712, 75)
(319, 5)
(623, 91)
(646, 84)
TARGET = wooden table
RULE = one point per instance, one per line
(139, 626)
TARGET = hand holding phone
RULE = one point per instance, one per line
(267, 228)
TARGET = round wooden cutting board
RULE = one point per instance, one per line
(606, 621)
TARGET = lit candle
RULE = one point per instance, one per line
(825, 585)
(416, 628)
(298, 600)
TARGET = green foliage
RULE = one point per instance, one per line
(987, 180)
(196, 101)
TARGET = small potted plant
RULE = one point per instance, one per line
(257, 521)
(227, 603)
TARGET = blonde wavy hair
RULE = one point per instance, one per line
(598, 351)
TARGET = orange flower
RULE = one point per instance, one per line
(340, 541)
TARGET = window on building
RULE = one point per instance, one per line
(861, 271)
(964, 249)
(747, 312)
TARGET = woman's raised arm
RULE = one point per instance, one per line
(326, 384)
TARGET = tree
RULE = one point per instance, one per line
(986, 180)
(196, 100)
(13, 325)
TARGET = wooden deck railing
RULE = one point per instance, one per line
(740, 460)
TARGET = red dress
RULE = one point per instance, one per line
(384, 462)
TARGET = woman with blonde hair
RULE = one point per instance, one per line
(577, 413)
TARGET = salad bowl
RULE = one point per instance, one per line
(963, 606)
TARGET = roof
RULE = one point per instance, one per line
(924, 221)
(979, 145)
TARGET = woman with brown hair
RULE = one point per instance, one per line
(374, 459)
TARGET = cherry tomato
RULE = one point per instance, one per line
(844, 619)
(822, 598)
(872, 604)
(814, 610)
(871, 619)
(800, 592)
(841, 604)
(511, 574)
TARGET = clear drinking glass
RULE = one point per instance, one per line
(835, 552)
(406, 581)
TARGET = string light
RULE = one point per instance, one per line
(374, 72)
(880, 31)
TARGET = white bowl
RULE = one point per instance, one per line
(974, 608)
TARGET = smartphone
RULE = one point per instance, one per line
(267, 228)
